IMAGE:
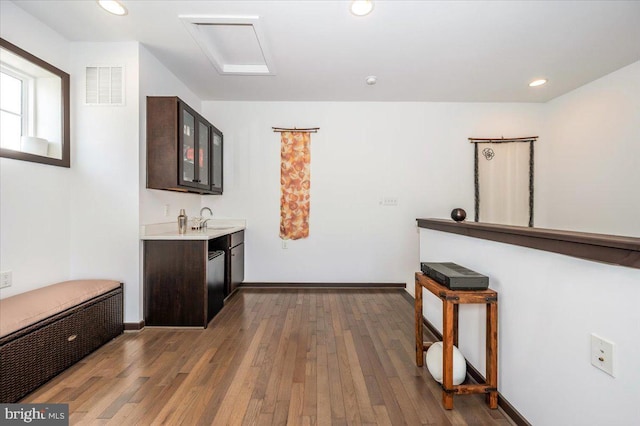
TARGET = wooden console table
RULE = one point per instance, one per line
(451, 299)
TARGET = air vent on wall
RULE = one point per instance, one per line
(104, 86)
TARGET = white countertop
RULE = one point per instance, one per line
(169, 231)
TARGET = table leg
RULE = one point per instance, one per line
(447, 354)
(418, 315)
(492, 353)
(455, 324)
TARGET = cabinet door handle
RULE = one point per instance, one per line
(233, 254)
(196, 181)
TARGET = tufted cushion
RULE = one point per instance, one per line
(22, 310)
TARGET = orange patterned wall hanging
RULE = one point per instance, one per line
(295, 182)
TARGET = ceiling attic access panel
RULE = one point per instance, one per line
(234, 44)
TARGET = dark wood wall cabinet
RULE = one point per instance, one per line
(184, 150)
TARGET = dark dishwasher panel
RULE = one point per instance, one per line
(215, 283)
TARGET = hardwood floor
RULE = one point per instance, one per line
(271, 357)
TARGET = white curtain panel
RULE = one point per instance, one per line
(503, 174)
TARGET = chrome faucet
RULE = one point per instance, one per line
(203, 222)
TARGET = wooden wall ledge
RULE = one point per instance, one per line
(617, 250)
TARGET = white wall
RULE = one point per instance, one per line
(84, 222)
(105, 161)
(157, 80)
(58, 223)
(549, 304)
(34, 198)
(588, 165)
(416, 152)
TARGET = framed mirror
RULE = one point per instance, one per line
(34, 108)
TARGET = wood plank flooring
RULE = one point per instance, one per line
(271, 357)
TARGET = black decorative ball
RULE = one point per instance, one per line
(458, 215)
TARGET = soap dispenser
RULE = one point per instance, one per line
(182, 222)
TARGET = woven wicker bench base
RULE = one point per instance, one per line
(32, 356)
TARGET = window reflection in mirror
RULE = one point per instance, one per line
(34, 108)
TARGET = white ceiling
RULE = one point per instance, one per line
(466, 51)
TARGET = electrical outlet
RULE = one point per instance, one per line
(167, 209)
(5, 279)
(285, 244)
(602, 354)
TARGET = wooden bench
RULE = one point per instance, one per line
(45, 331)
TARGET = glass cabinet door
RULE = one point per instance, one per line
(188, 146)
(216, 169)
(203, 154)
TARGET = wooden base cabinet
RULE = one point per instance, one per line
(233, 246)
(179, 283)
(237, 267)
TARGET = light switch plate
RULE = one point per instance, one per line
(5, 279)
(602, 354)
(389, 201)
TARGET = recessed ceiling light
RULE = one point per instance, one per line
(536, 83)
(361, 7)
(371, 80)
(113, 6)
